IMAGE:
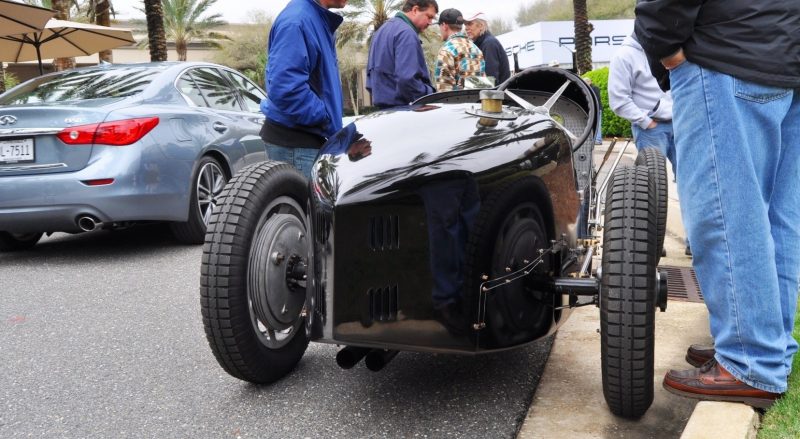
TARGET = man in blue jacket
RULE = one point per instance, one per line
(304, 103)
(396, 70)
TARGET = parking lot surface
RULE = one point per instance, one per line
(101, 336)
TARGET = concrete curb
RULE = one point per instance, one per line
(712, 420)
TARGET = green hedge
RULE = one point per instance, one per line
(613, 125)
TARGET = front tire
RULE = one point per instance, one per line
(18, 241)
(208, 181)
(627, 311)
(253, 304)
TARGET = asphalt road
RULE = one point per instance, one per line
(101, 336)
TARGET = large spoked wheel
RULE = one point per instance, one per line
(507, 236)
(627, 293)
(207, 183)
(657, 167)
(18, 241)
(253, 283)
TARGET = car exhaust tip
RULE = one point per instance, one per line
(377, 359)
(349, 356)
(87, 223)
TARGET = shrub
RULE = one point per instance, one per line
(10, 80)
(613, 125)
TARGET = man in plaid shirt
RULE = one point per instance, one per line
(459, 58)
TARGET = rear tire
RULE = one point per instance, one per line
(208, 182)
(657, 167)
(627, 293)
(252, 310)
(10, 242)
(509, 230)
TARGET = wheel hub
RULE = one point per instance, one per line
(277, 272)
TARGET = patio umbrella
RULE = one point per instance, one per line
(16, 18)
(61, 39)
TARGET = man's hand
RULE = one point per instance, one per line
(673, 61)
(652, 125)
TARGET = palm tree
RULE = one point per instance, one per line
(350, 68)
(61, 7)
(583, 40)
(364, 18)
(100, 12)
(183, 23)
(155, 30)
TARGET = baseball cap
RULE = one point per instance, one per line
(450, 16)
(474, 15)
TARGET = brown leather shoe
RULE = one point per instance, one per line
(712, 382)
(699, 354)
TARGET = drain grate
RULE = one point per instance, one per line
(682, 284)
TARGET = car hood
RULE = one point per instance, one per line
(376, 154)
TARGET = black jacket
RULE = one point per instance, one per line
(755, 40)
(495, 57)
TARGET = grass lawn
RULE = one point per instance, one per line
(782, 420)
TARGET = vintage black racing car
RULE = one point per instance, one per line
(466, 223)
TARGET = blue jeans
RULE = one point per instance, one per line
(660, 137)
(301, 158)
(738, 151)
(451, 207)
(598, 137)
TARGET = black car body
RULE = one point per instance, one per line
(465, 223)
(377, 249)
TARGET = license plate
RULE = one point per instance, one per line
(16, 151)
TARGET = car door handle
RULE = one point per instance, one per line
(220, 127)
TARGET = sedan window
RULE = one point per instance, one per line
(251, 94)
(217, 90)
(189, 89)
(80, 85)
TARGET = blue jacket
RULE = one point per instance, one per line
(302, 76)
(396, 70)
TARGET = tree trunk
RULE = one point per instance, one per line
(352, 85)
(102, 16)
(2, 77)
(583, 39)
(181, 46)
(61, 7)
(156, 36)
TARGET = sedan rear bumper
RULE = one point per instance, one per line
(53, 202)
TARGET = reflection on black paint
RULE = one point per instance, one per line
(483, 138)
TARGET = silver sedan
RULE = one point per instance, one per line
(109, 146)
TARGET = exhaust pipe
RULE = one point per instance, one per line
(377, 359)
(349, 356)
(87, 223)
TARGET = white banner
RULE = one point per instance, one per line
(547, 42)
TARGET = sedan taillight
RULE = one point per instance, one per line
(116, 133)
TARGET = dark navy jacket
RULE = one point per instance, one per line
(302, 77)
(396, 70)
(495, 57)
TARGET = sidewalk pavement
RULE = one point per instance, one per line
(569, 400)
